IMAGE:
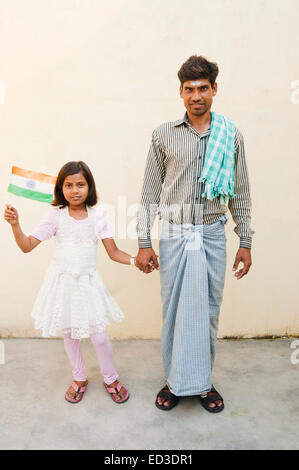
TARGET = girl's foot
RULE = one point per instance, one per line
(73, 394)
(117, 391)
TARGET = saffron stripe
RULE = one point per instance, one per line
(34, 175)
(35, 195)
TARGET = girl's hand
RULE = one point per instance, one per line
(11, 215)
(151, 266)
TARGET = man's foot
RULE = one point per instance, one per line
(161, 400)
(166, 403)
(120, 391)
(213, 401)
(165, 399)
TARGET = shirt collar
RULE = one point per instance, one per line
(182, 121)
(185, 121)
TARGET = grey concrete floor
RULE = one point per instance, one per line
(259, 384)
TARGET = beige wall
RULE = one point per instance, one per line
(91, 79)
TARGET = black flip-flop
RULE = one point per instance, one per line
(205, 401)
(166, 393)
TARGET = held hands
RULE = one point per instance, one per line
(11, 215)
(146, 260)
(243, 255)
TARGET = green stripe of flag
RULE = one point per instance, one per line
(29, 194)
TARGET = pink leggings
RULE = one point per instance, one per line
(104, 353)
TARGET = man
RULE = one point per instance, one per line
(194, 166)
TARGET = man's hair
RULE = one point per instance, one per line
(198, 67)
(72, 168)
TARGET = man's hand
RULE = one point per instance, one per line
(144, 257)
(243, 255)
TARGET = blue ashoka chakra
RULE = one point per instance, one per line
(30, 184)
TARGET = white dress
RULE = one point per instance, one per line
(73, 297)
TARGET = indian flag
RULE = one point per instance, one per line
(32, 185)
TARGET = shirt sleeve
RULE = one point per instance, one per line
(154, 176)
(240, 205)
(103, 226)
(48, 226)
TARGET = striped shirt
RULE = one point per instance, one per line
(171, 188)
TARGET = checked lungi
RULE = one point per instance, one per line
(192, 271)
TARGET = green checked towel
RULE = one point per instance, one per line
(219, 170)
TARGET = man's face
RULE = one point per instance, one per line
(198, 95)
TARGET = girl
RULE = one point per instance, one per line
(73, 298)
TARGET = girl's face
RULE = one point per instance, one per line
(75, 189)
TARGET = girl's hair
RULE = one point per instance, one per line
(71, 168)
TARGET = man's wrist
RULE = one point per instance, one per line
(245, 242)
(144, 243)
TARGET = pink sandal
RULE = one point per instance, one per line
(116, 390)
(78, 390)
